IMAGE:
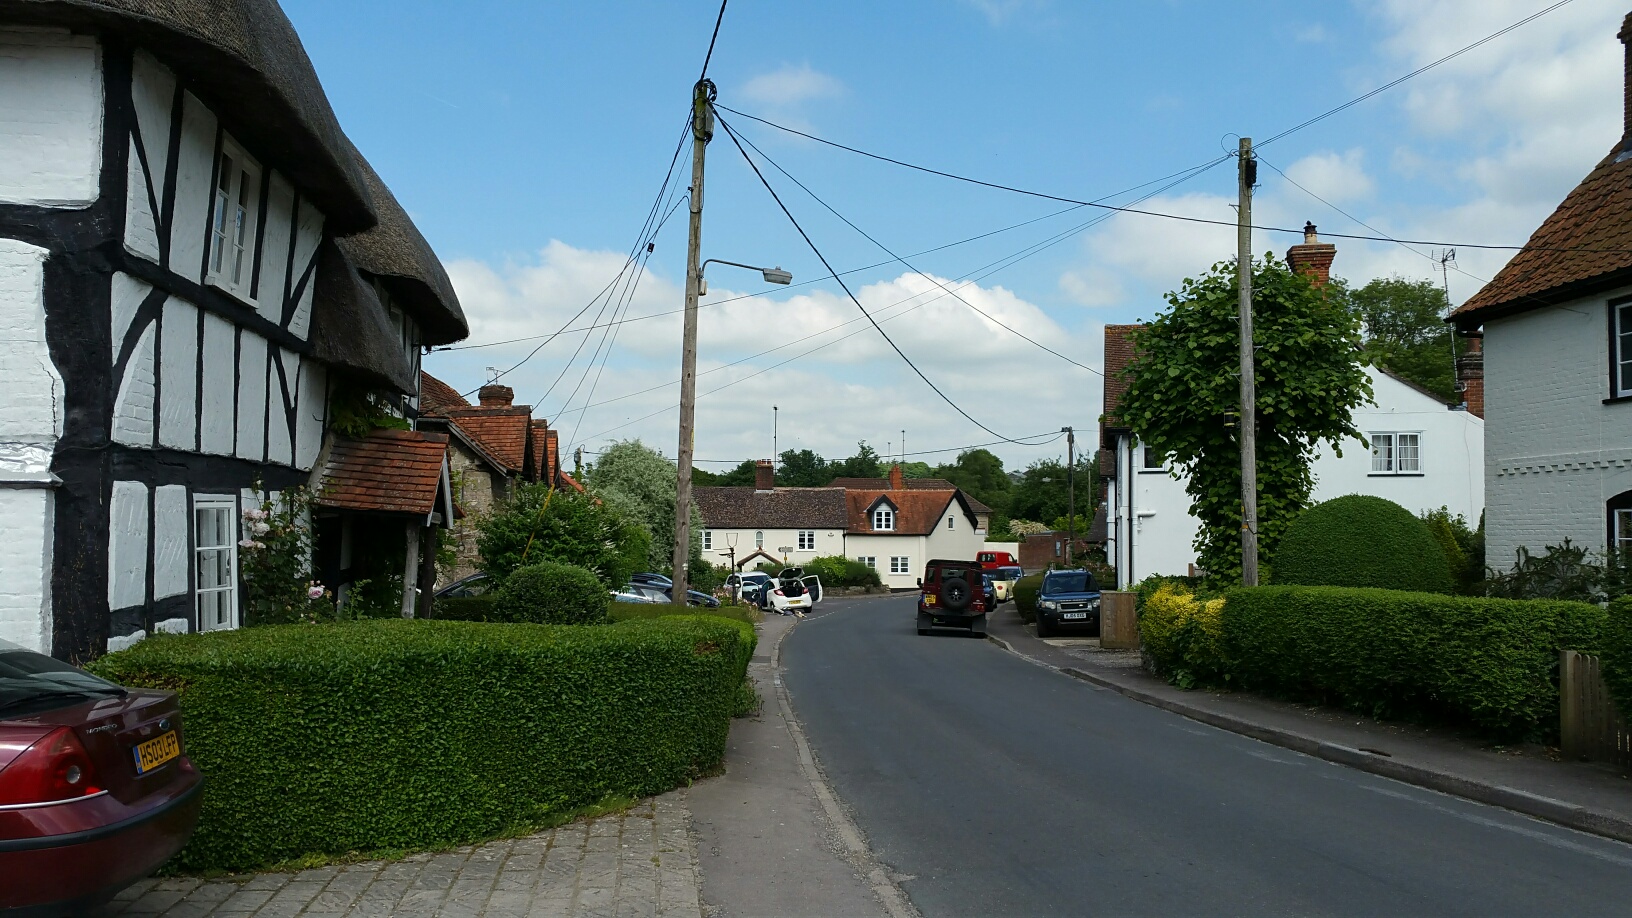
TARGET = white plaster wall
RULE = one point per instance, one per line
(127, 545)
(252, 367)
(133, 407)
(828, 542)
(310, 413)
(883, 547)
(1554, 452)
(50, 118)
(309, 234)
(152, 92)
(125, 297)
(961, 542)
(218, 424)
(1162, 530)
(280, 446)
(25, 567)
(280, 212)
(194, 165)
(31, 403)
(178, 375)
(171, 542)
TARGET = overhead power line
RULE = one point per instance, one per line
(1043, 439)
(712, 39)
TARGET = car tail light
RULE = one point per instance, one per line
(779, 592)
(57, 767)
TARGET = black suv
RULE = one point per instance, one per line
(952, 595)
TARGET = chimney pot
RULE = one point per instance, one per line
(1309, 233)
(494, 395)
(764, 475)
(898, 479)
(1312, 257)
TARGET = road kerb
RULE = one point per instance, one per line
(1548, 809)
(889, 894)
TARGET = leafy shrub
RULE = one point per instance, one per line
(1184, 636)
(839, 571)
(633, 611)
(1146, 588)
(1464, 548)
(1617, 653)
(1489, 663)
(537, 524)
(551, 594)
(1361, 541)
(1563, 572)
(1025, 592)
(410, 734)
(465, 609)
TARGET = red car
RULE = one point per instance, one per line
(991, 560)
(96, 791)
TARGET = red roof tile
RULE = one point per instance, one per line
(541, 450)
(436, 396)
(500, 431)
(916, 512)
(388, 471)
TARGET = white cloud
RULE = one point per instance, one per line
(790, 85)
(1312, 34)
(1337, 177)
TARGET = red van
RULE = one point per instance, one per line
(993, 559)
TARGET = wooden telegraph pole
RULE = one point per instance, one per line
(702, 131)
(1247, 173)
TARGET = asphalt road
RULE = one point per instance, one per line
(993, 786)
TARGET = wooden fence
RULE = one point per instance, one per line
(1118, 622)
(1589, 725)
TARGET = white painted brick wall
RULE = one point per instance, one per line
(25, 567)
(220, 386)
(1554, 452)
(50, 118)
(171, 541)
(152, 91)
(127, 545)
(195, 163)
(252, 367)
(178, 374)
(134, 407)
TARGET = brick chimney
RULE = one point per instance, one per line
(898, 479)
(1470, 376)
(1312, 257)
(764, 475)
(1625, 35)
(494, 395)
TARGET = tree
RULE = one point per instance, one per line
(864, 464)
(979, 472)
(1405, 330)
(739, 477)
(1183, 398)
(916, 470)
(1043, 491)
(802, 469)
(639, 481)
(572, 528)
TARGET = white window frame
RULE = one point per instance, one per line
(807, 540)
(884, 520)
(900, 564)
(234, 217)
(869, 560)
(1620, 327)
(1391, 454)
(949, 521)
(759, 538)
(1622, 531)
(217, 503)
(1146, 454)
(708, 539)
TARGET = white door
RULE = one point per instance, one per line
(215, 527)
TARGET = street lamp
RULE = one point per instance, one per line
(772, 275)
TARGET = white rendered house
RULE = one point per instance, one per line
(193, 259)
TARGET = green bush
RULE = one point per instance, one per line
(1488, 663)
(1362, 541)
(549, 593)
(465, 609)
(1183, 636)
(1025, 592)
(839, 571)
(1146, 588)
(538, 524)
(634, 611)
(1617, 653)
(328, 739)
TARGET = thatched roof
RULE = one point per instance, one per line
(245, 60)
(350, 327)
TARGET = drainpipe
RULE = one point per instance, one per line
(1130, 580)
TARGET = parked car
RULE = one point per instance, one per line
(988, 589)
(632, 595)
(990, 560)
(464, 588)
(96, 790)
(658, 580)
(950, 594)
(791, 592)
(1067, 598)
(1004, 579)
(655, 593)
(748, 585)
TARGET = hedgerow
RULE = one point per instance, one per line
(1184, 635)
(373, 735)
(551, 593)
(1362, 541)
(1025, 592)
(1617, 653)
(1488, 663)
(839, 571)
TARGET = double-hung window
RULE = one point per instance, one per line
(898, 565)
(807, 539)
(884, 519)
(868, 560)
(232, 222)
(1620, 349)
(1396, 453)
(949, 521)
(708, 539)
(215, 549)
(1623, 530)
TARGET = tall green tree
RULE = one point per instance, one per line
(1405, 331)
(802, 469)
(639, 481)
(1183, 398)
(1043, 491)
(979, 472)
(739, 477)
(572, 528)
(864, 464)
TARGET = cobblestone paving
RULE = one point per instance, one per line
(639, 863)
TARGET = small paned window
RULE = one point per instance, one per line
(868, 560)
(232, 223)
(1623, 530)
(949, 522)
(884, 519)
(898, 565)
(1620, 382)
(215, 550)
(759, 540)
(807, 539)
(1150, 460)
(708, 538)
(1396, 453)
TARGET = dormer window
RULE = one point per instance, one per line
(232, 223)
(884, 519)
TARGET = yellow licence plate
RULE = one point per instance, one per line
(157, 751)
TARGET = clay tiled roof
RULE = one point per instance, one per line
(541, 451)
(883, 484)
(1119, 354)
(782, 508)
(916, 512)
(564, 481)
(502, 432)
(437, 397)
(1585, 246)
(388, 471)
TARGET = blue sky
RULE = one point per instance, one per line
(528, 142)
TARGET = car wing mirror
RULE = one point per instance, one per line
(920, 583)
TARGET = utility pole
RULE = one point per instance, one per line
(1070, 493)
(1447, 258)
(702, 131)
(1247, 172)
(774, 453)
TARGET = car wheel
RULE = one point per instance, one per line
(1043, 630)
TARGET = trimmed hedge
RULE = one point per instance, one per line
(839, 571)
(1025, 592)
(633, 611)
(1489, 663)
(390, 734)
(1183, 635)
(551, 593)
(464, 609)
(1361, 541)
(1617, 653)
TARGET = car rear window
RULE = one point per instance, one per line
(1010, 573)
(31, 682)
(948, 573)
(1070, 582)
